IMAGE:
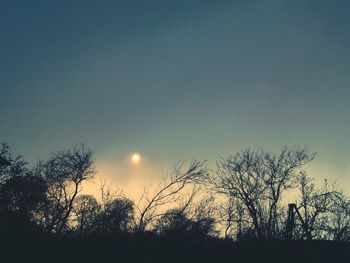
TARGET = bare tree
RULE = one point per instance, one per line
(280, 176)
(232, 218)
(339, 222)
(167, 193)
(85, 212)
(16, 165)
(20, 190)
(116, 211)
(196, 220)
(203, 214)
(317, 207)
(258, 179)
(64, 172)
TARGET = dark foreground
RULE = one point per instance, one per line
(150, 248)
(24, 243)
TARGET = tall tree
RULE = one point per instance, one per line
(64, 173)
(257, 179)
(168, 192)
(317, 207)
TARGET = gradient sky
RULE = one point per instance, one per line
(176, 80)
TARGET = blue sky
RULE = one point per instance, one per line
(176, 80)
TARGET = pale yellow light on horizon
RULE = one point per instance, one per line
(125, 176)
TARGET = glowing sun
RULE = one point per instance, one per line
(136, 158)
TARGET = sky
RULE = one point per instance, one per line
(176, 80)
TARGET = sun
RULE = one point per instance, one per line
(136, 158)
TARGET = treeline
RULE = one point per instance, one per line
(244, 198)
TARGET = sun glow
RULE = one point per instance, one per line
(136, 158)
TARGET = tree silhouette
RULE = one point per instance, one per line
(318, 207)
(20, 190)
(117, 215)
(167, 192)
(258, 179)
(85, 211)
(64, 173)
(193, 210)
(15, 165)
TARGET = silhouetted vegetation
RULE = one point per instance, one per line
(195, 213)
